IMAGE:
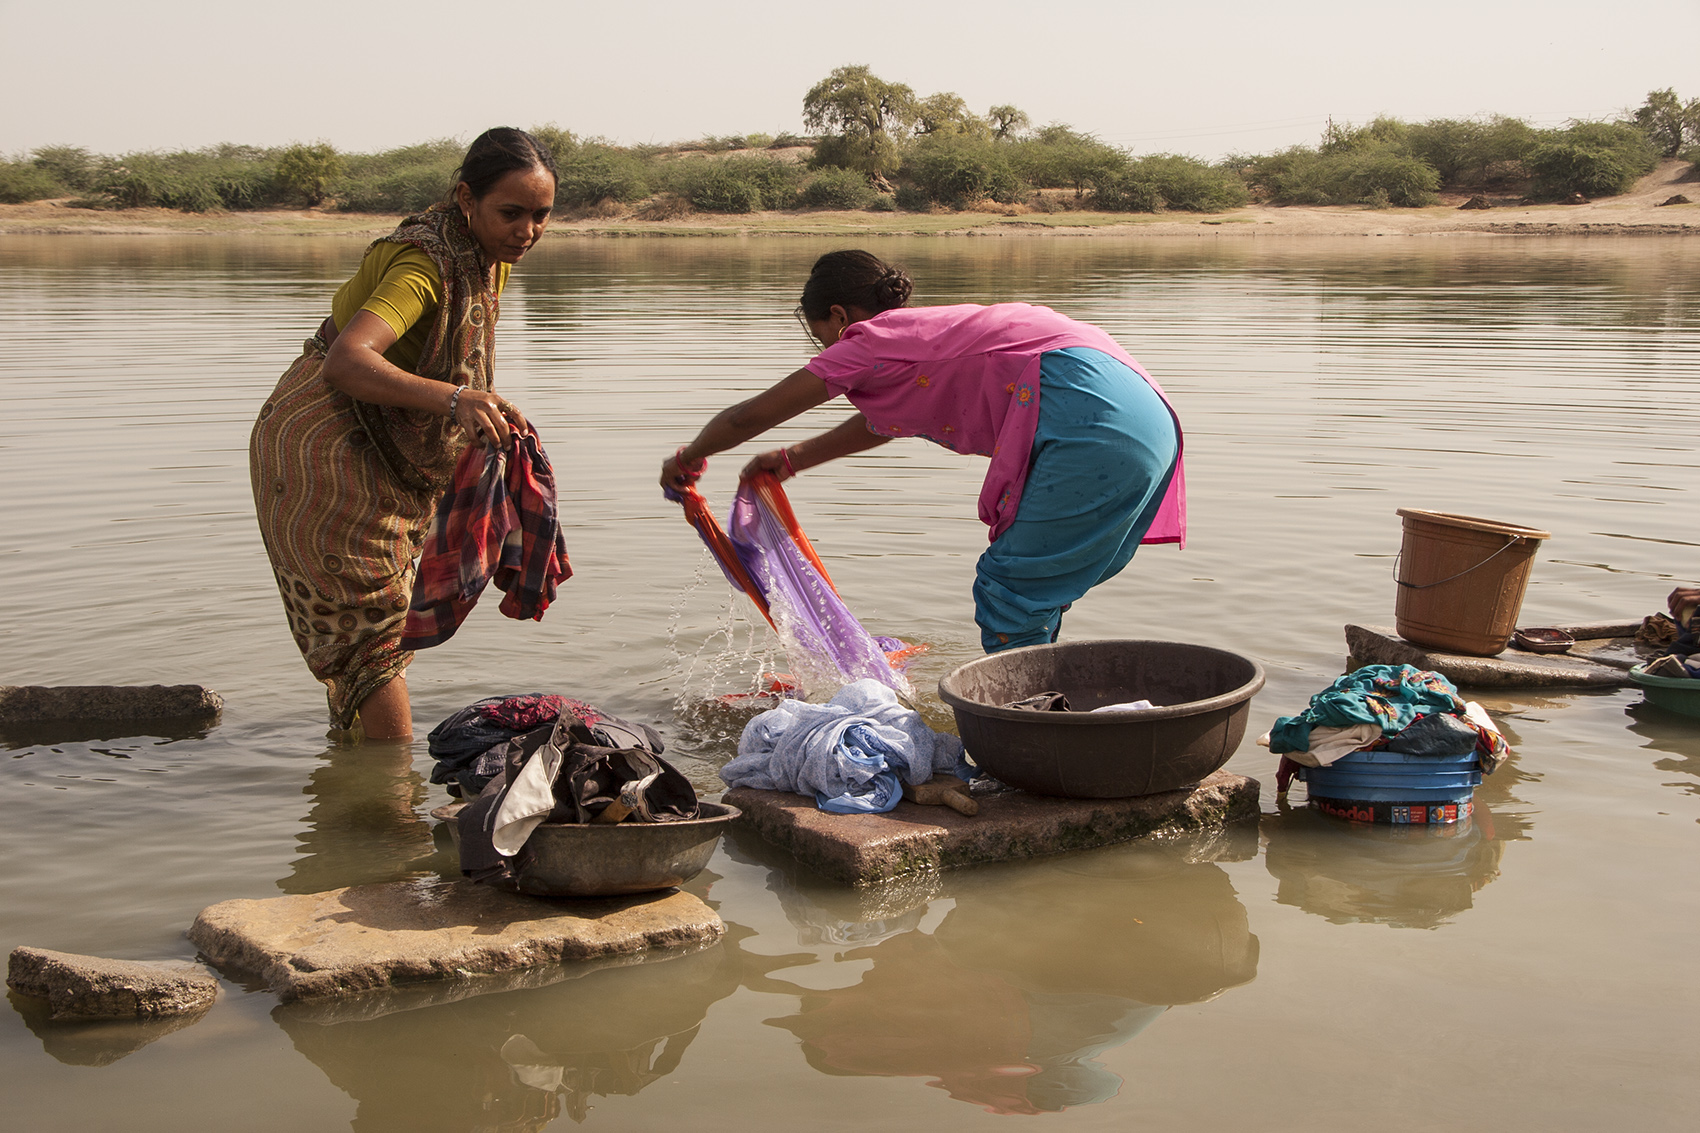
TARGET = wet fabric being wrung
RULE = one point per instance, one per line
(764, 554)
(498, 522)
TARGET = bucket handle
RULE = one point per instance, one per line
(1510, 542)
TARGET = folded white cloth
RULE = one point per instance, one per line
(530, 799)
(1127, 707)
(1328, 744)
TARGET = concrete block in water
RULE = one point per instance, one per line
(1601, 658)
(41, 704)
(872, 849)
(367, 937)
(90, 987)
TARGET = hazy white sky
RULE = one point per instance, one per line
(1231, 76)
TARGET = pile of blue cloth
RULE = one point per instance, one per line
(853, 753)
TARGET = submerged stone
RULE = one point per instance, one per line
(40, 704)
(367, 937)
(873, 849)
(92, 987)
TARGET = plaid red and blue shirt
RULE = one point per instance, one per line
(498, 522)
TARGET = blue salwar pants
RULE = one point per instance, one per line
(1104, 451)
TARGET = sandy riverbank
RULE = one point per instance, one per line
(1640, 212)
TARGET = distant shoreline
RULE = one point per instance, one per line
(1637, 213)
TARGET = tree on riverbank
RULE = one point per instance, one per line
(309, 171)
(1669, 123)
(864, 116)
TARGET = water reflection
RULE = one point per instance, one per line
(1011, 1000)
(515, 1060)
(1404, 876)
(135, 733)
(93, 1042)
(363, 825)
(1674, 734)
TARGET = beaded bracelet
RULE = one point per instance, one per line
(454, 400)
(688, 469)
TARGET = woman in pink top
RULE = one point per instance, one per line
(1085, 451)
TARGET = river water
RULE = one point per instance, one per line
(1532, 969)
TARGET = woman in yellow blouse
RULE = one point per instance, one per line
(357, 442)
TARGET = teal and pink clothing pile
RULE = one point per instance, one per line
(1085, 449)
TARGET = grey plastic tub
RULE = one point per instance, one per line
(1202, 694)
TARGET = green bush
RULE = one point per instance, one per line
(1372, 173)
(1596, 159)
(402, 180)
(876, 153)
(309, 171)
(1294, 176)
(912, 198)
(1382, 132)
(22, 181)
(732, 184)
(219, 177)
(560, 143)
(1055, 157)
(722, 190)
(596, 171)
(1170, 181)
(1125, 191)
(838, 189)
(72, 166)
(958, 170)
(1381, 173)
(1474, 153)
(409, 189)
(779, 181)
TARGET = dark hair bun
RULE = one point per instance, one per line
(893, 289)
(854, 278)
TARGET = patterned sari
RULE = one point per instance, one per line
(344, 490)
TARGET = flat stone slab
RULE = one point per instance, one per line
(1601, 658)
(367, 937)
(41, 704)
(874, 849)
(92, 987)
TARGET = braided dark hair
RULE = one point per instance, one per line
(496, 153)
(853, 278)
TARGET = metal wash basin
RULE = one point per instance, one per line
(571, 860)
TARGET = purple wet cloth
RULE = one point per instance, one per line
(800, 600)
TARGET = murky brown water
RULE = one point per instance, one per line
(1529, 971)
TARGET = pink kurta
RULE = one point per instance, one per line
(967, 377)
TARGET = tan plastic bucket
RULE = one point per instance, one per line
(1461, 580)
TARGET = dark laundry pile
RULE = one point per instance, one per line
(1058, 702)
(1679, 637)
(471, 746)
(533, 758)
